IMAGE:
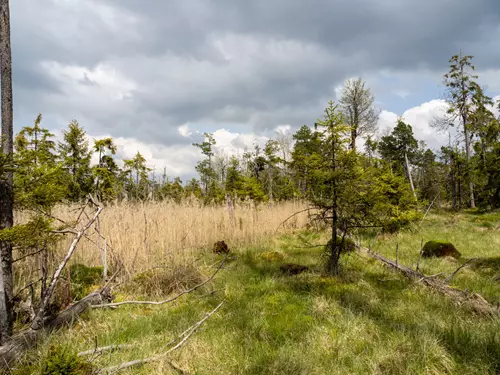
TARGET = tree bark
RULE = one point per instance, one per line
(6, 182)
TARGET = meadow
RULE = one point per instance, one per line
(368, 320)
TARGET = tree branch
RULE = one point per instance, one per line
(38, 321)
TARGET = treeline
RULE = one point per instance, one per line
(465, 174)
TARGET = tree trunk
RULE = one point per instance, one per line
(407, 167)
(472, 202)
(453, 184)
(6, 193)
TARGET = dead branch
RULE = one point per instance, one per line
(420, 255)
(183, 338)
(103, 349)
(28, 255)
(428, 208)
(458, 269)
(292, 216)
(38, 321)
(156, 303)
(475, 301)
(27, 339)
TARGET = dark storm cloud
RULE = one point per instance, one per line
(142, 68)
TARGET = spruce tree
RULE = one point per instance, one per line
(75, 155)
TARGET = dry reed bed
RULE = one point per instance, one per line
(146, 235)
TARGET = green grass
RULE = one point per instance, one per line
(369, 320)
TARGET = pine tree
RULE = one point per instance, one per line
(75, 155)
(106, 172)
(138, 182)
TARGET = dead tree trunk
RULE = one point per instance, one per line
(6, 180)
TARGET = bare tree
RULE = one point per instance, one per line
(357, 106)
(285, 141)
(6, 182)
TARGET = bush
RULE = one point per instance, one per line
(62, 361)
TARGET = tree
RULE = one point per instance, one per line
(138, 171)
(357, 106)
(332, 179)
(106, 171)
(306, 147)
(40, 181)
(398, 147)
(205, 167)
(461, 88)
(6, 182)
(75, 156)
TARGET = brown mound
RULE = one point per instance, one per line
(440, 249)
(293, 269)
(220, 247)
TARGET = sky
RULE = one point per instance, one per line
(155, 75)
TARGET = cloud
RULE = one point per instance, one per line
(154, 73)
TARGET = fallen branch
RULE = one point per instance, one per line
(103, 349)
(474, 300)
(183, 338)
(28, 338)
(38, 321)
(156, 303)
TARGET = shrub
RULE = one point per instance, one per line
(63, 361)
(83, 278)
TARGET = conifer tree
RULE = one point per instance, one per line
(75, 155)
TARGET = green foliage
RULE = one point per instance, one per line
(63, 361)
(106, 173)
(401, 141)
(39, 182)
(138, 182)
(82, 278)
(75, 156)
(36, 232)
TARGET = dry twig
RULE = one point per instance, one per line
(183, 338)
(156, 303)
(448, 279)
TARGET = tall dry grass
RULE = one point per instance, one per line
(142, 236)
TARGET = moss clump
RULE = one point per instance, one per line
(62, 361)
(83, 278)
(272, 256)
(440, 249)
